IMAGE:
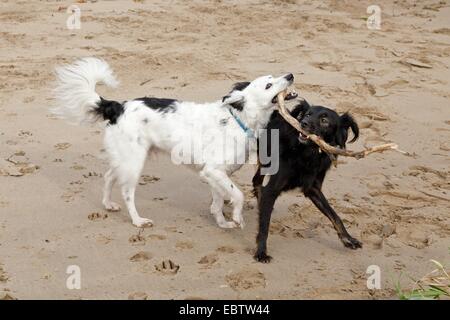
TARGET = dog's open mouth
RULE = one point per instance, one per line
(291, 95)
(302, 138)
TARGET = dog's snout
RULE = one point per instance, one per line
(304, 124)
(289, 77)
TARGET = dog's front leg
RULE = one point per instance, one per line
(267, 196)
(257, 184)
(265, 212)
(222, 186)
(317, 197)
(217, 210)
(219, 179)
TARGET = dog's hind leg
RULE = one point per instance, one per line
(128, 173)
(110, 179)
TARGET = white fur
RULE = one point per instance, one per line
(76, 89)
(141, 129)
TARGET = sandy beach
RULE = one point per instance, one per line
(394, 81)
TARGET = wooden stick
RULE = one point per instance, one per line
(331, 150)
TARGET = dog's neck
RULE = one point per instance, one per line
(255, 117)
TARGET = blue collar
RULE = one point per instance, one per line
(249, 132)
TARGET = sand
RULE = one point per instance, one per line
(395, 81)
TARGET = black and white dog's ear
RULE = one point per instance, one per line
(240, 86)
(346, 122)
(235, 99)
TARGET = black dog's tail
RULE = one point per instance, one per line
(75, 92)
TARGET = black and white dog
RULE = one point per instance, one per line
(302, 165)
(138, 126)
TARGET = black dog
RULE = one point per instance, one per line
(302, 165)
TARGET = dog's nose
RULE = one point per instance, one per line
(304, 124)
(289, 77)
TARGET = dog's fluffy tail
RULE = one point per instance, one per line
(75, 93)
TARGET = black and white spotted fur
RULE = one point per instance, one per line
(138, 126)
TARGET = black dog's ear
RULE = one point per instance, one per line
(346, 122)
(300, 109)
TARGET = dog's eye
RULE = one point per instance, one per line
(323, 120)
(268, 86)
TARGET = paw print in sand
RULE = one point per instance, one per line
(167, 267)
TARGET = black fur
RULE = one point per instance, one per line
(302, 165)
(238, 105)
(240, 86)
(112, 110)
(109, 110)
(158, 104)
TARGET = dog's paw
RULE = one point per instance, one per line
(262, 257)
(227, 224)
(143, 223)
(351, 242)
(111, 206)
(239, 222)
